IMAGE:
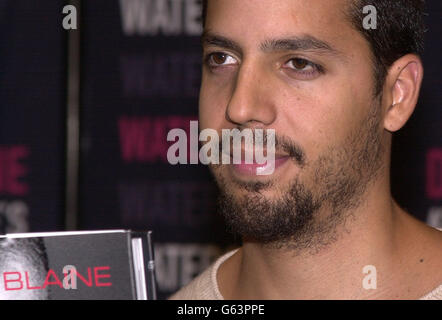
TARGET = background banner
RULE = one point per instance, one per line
(140, 77)
(32, 115)
(141, 67)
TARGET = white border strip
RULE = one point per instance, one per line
(55, 234)
(140, 279)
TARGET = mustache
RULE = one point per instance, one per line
(290, 147)
(283, 144)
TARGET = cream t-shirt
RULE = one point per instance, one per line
(205, 286)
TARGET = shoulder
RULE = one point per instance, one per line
(204, 286)
(434, 295)
(200, 288)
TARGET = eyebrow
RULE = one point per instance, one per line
(296, 43)
(304, 43)
(209, 38)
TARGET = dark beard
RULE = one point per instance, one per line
(340, 178)
(258, 219)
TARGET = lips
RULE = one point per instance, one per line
(260, 169)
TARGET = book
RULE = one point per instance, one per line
(79, 265)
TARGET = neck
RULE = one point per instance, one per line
(334, 271)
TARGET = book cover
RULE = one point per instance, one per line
(83, 265)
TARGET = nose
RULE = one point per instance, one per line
(251, 103)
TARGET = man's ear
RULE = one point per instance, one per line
(401, 91)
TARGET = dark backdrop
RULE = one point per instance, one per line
(140, 67)
(32, 116)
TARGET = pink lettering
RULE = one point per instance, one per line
(434, 173)
(17, 279)
(11, 170)
(144, 139)
(56, 282)
(98, 276)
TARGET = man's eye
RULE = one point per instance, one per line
(220, 59)
(303, 69)
(301, 64)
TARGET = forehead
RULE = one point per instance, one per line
(252, 21)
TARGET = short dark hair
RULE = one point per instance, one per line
(400, 31)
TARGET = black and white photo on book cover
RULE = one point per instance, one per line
(97, 265)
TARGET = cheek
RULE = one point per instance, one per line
(305, 117)
(323, 112)
(213, 101)
(319, 119)
(210, 112)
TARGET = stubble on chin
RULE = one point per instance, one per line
(307, 213)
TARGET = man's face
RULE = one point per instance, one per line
(297, 67)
